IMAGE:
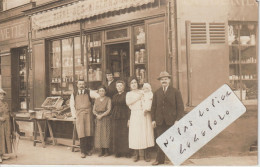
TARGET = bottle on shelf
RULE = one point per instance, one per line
(90, 58)
(142, 57)
(98, 57)
(98, 75)
(94, 57)
(137, 57)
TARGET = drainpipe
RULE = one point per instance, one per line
(169, 25)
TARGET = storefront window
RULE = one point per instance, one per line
(94, 54)
(140, 56)
(65, 66)
(243, 59)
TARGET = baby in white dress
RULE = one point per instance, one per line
(147, 98)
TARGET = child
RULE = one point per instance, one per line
(147, 98)
(101, 110)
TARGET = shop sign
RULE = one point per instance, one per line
(13, 31)
(56, 30)
(81, 10)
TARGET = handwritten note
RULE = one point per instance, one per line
(201, 125)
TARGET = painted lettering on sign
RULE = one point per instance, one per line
(201, 125)
(12, 31)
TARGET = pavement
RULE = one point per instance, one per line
(62, 155)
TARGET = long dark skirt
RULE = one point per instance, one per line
(102, 132)
(120, 136)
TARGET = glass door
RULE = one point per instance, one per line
(118, 60)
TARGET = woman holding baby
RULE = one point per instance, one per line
(140, 123)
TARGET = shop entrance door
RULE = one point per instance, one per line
(118, 59)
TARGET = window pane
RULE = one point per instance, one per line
(55, 73)
(115, 34)
(67, 66)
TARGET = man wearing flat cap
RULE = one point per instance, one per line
(167, 108)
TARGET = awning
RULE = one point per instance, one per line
(81, 10)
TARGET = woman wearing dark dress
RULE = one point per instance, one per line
(101, 110)
(120, 114)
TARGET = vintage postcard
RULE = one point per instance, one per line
(129, 82)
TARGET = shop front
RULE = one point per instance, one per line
(217, 44)
(128, 40)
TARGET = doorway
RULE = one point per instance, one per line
(118, 60)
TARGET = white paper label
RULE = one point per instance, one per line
(201, 125)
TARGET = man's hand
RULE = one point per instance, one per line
(176, 122)
(154, 124)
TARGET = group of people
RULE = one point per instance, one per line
(122, 120)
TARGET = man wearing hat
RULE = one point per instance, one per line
(167, 108)
(110, 85)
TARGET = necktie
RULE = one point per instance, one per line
(81, 92)
(164, 90)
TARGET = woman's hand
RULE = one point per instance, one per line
(154, 124)
(2, 119)
(99, 117)
(145, 112)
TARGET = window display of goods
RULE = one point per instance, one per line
(52, 102)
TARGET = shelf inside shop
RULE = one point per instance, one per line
(243, 63)
(94, 63)
(140, 63)
(139, 44)
(254, 79)
(243, 45)
(94, 81)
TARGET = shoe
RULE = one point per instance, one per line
(89, 153)
(101, 154)
(83, 155)
(5, 157)
(136, 157)
(117, 155)
(128, 155)
(156, 163)
(147, 156)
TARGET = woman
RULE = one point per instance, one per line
(120, 113)
(101, 110)
(140, 124)
(5, 127)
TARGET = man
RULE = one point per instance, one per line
(111, 84)
(81, 110)
(167, 108)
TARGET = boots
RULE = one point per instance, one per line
(136, 157)
(106, 152)
(102, 152)
(147, 157)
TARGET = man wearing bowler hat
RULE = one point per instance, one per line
(167, 108)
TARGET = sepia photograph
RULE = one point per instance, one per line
(129, 82)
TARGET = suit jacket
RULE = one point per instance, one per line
(167, 106)
(111, 89)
